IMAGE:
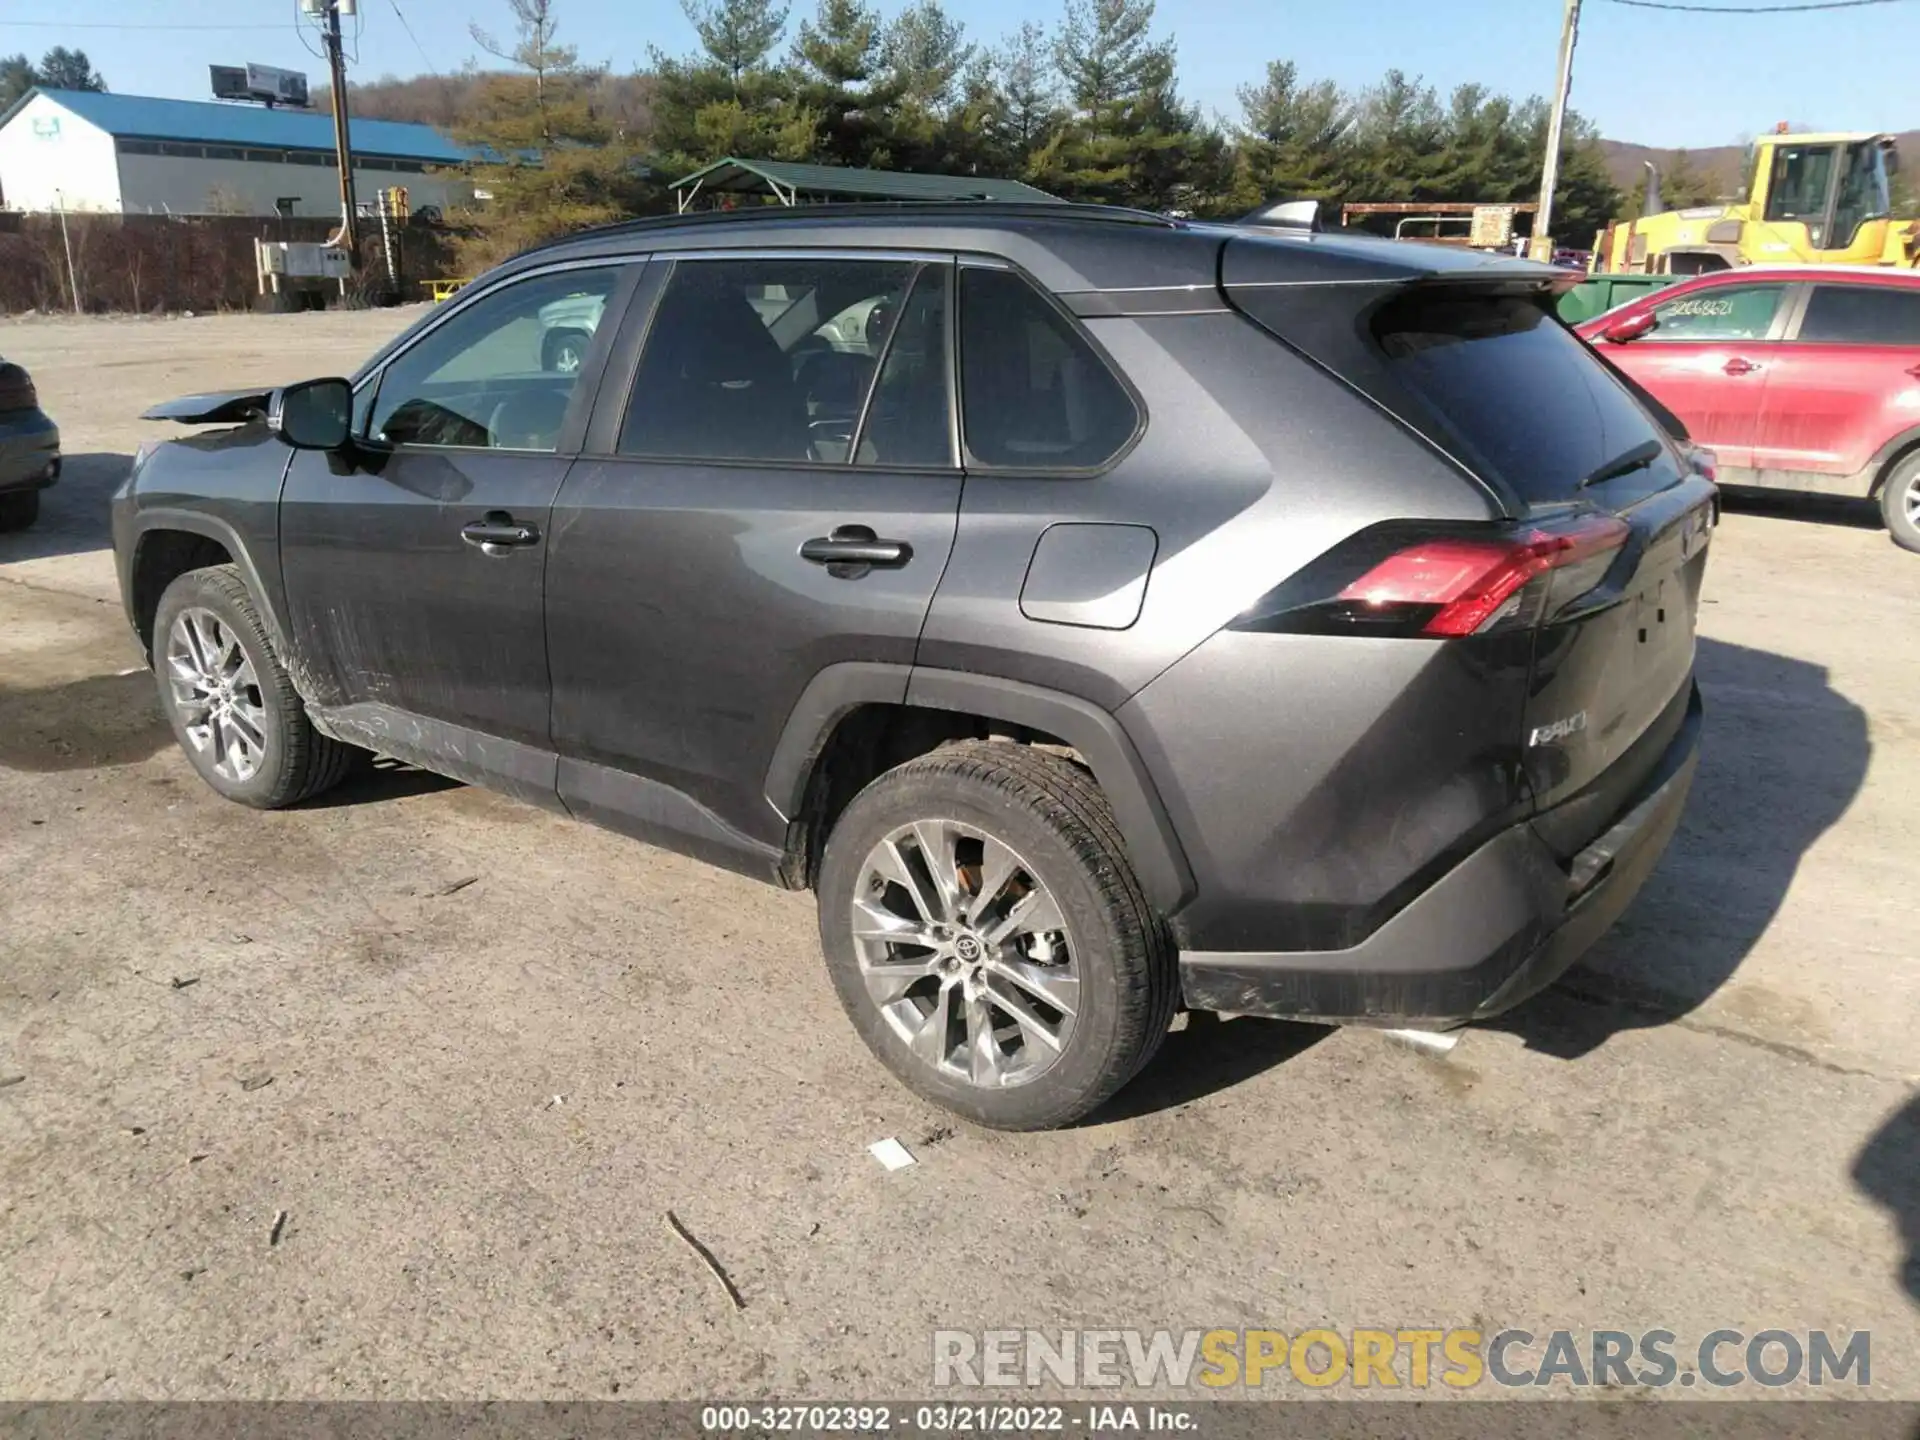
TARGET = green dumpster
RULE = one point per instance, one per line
(1598, 294)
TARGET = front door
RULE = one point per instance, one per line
(1707, 360)
(414, 574)
(777, 493)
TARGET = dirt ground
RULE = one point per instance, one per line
(474, 1053)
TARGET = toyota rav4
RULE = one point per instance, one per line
(1101, 614)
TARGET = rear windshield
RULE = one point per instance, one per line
(1511, 392)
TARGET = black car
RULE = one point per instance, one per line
(1103, 614)
(29, 448)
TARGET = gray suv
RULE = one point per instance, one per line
(1101, 614)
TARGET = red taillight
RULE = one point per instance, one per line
(1470, 582)
(1704, 462)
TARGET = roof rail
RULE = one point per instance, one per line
(870, 210)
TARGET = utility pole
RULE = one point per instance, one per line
(330, 12)
(1542, 247)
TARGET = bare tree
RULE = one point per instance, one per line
(533, 49)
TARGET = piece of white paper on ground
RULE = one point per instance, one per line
(891, 1153)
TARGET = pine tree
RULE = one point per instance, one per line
(64, 69)
(738, 35)
(1295, 141)
(1024, 65)
(928, 53)
(845, 80)
(17, 77)
(1103, 52)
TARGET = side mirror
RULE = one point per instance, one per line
(1630, 327)
(312, 415)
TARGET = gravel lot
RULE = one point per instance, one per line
(475, 1101)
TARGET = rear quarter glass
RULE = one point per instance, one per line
(1490, 377)
(1499, 383)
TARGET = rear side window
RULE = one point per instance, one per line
(1511, 392)
(1862, 315)
(771, 359)
(1034, 395)
(1720, 312)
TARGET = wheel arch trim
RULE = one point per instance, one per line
(837, 690)
(1888, 457)
(210, 527)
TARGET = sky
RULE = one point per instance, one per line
(1643, 75)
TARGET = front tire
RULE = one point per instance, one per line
(1900, 503)
(564, 351)
(229, 700)
(988, 939)
(19, 509)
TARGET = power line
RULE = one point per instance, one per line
(402, 17)
(104, 25)
(1753, 9)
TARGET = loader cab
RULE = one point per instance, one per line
(1832, 185)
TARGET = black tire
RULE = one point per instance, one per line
(19, 509)
(297, 762)
(1900, 503)
(559, 346)
(1051, 813)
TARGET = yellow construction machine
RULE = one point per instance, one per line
(1811, 200)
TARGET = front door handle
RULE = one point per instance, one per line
(852, 550)
(1738, 366)
(498, 532)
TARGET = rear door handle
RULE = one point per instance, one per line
(498, 532)
(1738, 366)
(852, 550)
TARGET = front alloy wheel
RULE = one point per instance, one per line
(217, 694)
(964, 950)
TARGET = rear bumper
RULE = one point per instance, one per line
(29, 451)
(1500, 926)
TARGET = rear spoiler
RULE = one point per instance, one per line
(231, 407)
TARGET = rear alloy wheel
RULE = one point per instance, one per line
(231, 704)
(964, 952)
(988, 939)
(19, 509)
(1900, 503)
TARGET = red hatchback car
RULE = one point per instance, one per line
(1798, 379)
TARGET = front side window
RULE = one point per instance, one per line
(776, 360)
(501, 373)
(1034, 394)
(1799, 187)
(1720, 312)
(1862, 315)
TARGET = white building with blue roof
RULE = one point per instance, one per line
(130, 154)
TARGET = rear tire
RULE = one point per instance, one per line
(1043, 932)
(1900, 503)
(19, 509)
(230, 702)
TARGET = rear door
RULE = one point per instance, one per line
(774, 490)
(1847, 383)
(1708, 359)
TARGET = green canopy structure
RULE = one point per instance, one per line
(795, 184)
